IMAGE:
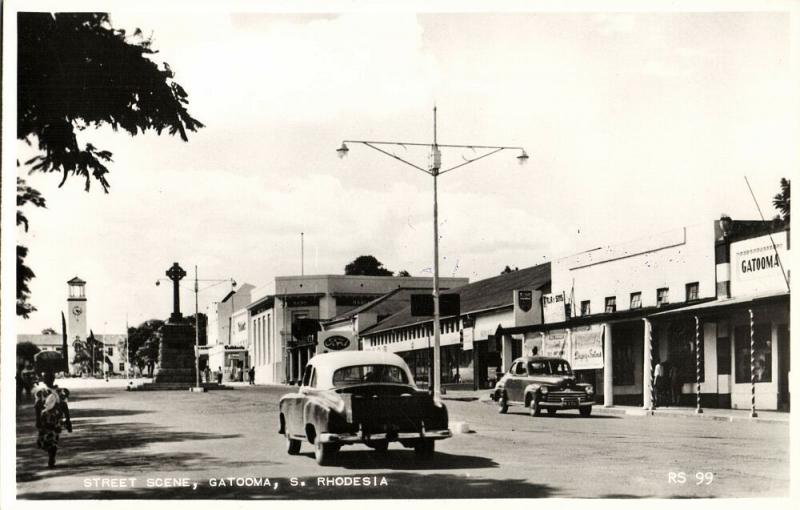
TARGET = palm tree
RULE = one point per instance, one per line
(781, 200)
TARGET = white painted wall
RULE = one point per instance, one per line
(668, 259)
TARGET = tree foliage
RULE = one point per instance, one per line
(403, 273)
(88, 354)
(366, 265)
(781, 201)
(49, 331)
(143, 343)
(25, 195)
(75, 71)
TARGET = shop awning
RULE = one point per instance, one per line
(726, 303)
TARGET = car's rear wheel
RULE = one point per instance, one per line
(380, 446)
(324, 453)
(552, 411)
(292, 445)
(586, 411)
(536, 409)
(425, 447)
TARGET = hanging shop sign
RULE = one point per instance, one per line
(554, 307)
(587, 347)
(556, 343)
(759, 266)
(336, 343)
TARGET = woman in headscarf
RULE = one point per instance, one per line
(52, 413)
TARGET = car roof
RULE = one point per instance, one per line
(326, 364)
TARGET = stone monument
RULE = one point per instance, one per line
(176, 349)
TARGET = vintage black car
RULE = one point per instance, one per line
(542, 382)
(364, 397)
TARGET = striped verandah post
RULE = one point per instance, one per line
(753, 413)
(698, 410)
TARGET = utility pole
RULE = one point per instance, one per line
(434, 170)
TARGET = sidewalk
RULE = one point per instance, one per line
(665, 412)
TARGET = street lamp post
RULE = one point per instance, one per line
(197, 290)
(434, 171)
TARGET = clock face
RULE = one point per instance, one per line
(77, 311)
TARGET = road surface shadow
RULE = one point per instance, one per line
(405, 460)
(398, 485)
(108, 448)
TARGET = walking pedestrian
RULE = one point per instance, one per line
(52, 412)
(207, 373)
(219, 375)
(674, 385)
(252, 375)
(658, 384)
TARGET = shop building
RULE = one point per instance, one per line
(745, 331)
(617, 312)
(284, 324)
(472, 353)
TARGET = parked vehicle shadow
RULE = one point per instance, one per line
(405, 485)
(405, 459)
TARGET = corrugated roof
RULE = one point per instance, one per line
(491, 293)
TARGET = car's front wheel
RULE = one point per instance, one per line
(551, 411)
(502, 404)
(324, 453)
(586, 411)
(536, 409)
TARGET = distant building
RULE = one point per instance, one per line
(284, 326)
(113, 361)
(228, 340)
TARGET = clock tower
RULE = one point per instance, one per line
(76, 313)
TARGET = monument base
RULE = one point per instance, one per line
(176, 355)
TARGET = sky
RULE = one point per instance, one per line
(635, 123)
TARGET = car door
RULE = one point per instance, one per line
(293, 410)
(517, 382)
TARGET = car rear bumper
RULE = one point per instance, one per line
(351, 438)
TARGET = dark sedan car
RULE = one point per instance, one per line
(364, 397)
(542, 382)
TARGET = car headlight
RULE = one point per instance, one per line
(589, 389)
(543, 390)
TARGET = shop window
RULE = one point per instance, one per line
(762, 349)
(611, 304)
(692, 291)
(636, 300)
(586, 307)
(662, 296)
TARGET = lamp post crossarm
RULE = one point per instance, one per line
(370, 144)
(438, 145)
(467, 162)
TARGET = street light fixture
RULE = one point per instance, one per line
(434, 170)
(197, 289)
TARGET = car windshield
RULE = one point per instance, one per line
(369, 374)
(549, 367)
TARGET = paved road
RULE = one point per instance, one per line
(178, 437)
